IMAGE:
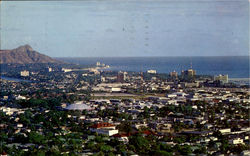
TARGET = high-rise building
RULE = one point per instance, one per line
(174, 74)
(49, 69)
(121, 76)
(188, 73)
(222, 78)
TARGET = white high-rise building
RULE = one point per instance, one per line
(50, 69)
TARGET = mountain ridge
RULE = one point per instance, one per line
(24, 55)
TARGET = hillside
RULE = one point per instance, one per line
(24, 55)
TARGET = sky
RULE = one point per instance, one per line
(121, 28)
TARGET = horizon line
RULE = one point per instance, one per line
(145, 56)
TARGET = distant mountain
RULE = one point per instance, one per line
(24, 55)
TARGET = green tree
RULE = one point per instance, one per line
(36, 138)
(140, 143)
(185, 150)
(162, 153)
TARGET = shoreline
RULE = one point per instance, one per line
(239, 79)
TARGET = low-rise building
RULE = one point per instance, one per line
(151, 71)
(24, 73)
(222, 78)
(104, 128)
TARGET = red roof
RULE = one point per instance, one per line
(216, 100)
(147, 132)
(122, 135)
(101, 125)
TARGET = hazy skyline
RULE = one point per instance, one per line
(95, 28)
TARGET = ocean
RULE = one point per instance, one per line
(234, 66)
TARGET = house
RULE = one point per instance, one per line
(245, 153)
(19, 97)
(171, 95)
(139, 125)
(236, 141)
(224, 131)
(4, 154)
(19, 125)
(208, 126)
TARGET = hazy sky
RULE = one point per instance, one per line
(127, 27)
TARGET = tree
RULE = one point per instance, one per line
(99, 154)
(162, 153)
(237, 149)
(201, 150)
(224, 145)
(140, 143)
(106, 148)
(3, 117)
(114, 142)
(185, 150)
(24, 120)
(36, 138)
(166, 147)
(121, 148)
(125, 127)
(3, 137)
(179, 140)
(54, 150)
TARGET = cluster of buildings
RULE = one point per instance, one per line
(123, 104)
(228, 118)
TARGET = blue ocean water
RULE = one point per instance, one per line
(234, 66)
